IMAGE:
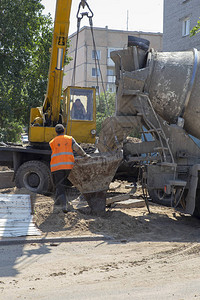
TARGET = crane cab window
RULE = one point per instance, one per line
(81, 104)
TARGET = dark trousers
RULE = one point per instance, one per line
(59, 179)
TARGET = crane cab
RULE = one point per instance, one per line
(79, 113)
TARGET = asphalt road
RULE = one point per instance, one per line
(100, 270)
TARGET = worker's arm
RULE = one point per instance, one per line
(79, 150)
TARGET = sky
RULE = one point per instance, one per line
(138, 15)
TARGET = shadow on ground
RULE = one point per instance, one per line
(119, 224)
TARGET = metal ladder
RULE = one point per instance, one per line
(164, 145)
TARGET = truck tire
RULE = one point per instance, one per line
(136, 41)
(35, 176)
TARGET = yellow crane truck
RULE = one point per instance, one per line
(43, 119)
(31, 163)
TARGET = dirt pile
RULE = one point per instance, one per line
(120, 223)
(116, 222)
(53, 222)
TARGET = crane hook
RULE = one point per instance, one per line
(82, 4)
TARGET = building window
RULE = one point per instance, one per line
(110, 72)
(186, 27)
(81, 104)
(98, 54)
(95, 72)
(111, 75)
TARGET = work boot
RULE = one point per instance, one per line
(63, 202)
(66, 207)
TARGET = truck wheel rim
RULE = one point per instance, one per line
(32, 180)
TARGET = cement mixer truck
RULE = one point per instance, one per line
(159, 94)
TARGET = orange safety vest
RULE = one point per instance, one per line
(62, 156)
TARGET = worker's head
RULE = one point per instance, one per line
(78, 102)
(59, 129)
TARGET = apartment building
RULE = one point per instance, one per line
(180, 16)
(106, 40)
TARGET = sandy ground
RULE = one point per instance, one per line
(148, 256)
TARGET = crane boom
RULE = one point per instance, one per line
(59, 43)
(43, 119)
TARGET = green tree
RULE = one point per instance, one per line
(105, 108)
(195, 29)
(25, 39)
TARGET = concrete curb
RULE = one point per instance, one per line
(22, 241)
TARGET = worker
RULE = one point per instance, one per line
(78, 111)
(62, 162)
